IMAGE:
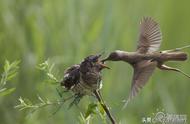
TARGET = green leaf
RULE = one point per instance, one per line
(6, 65)
(7, 91)
(48, 68)
(2, 90)
(12, 75)
(52, 77)
(82, 118)
(91, 109)
(15, 63)
(43, 66)
(25, 104)
(40, 98)
(10, 71)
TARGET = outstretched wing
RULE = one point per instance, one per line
(150, 36)
(142, 72)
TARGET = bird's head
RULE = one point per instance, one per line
(93, 62)
(114, 56)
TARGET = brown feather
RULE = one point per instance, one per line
(142, 72)
(150, 36)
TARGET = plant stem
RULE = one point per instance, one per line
(98, 96)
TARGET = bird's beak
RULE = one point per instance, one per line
(103, 65)
(103, 60)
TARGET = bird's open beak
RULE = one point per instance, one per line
(103, 65)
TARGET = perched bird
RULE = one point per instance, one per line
(84, 78)
(147, 57)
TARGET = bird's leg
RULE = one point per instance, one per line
(99, 97)
(176, 49)
(165, 67)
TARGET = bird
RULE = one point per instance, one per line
(84, 78)
(147, 58)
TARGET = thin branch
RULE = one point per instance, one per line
(26, 104)
(98, 96)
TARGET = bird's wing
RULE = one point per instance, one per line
(71, 76)
(70, 69)
(150, 36)
(141, 76)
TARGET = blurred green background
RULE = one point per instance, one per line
(66, 31)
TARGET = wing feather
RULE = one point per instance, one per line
(150, 36)
(71, 76)
(141, 76)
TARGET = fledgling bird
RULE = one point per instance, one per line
(147, 57)
(84, 78)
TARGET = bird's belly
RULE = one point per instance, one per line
(86, 89)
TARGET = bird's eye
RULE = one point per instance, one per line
(95, 59)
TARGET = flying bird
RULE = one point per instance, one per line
(147, 57)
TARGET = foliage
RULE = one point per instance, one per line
(95, 109)
(10, 71)
(47, 67)
(65, 31)
(26, 104)
(92, 110)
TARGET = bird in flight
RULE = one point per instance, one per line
(147, 57)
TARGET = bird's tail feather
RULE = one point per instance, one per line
(174, 56)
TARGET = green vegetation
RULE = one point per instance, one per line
(10, 71)
(66, 31)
